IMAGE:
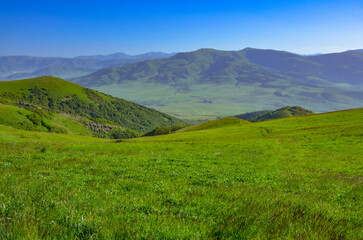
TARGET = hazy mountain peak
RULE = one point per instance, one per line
(118, 55)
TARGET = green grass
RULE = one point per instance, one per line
(55, 95)
(56, 87)
(18, 117)
(219, 123)
(12, 135)
(294, 178)
(12, 114)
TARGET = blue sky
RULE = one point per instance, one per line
(71, 28)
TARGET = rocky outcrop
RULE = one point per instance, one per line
(100, 127)
(24, 104)
(94, 126)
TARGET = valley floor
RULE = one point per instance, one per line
(294, 178)
(208, 102)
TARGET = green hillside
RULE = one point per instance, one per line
(40, 120)
(291, 178)
(46, 96)
(208, 83)
(202, 66)
(219, 123)
(284, 112)
(248, 116)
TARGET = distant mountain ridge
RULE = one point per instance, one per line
(183, 69)
(17, 67)
(209, 65)
(121, 55)
(213, 83)
(208, 83)
(345, 67)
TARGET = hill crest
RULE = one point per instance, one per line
(56, 95)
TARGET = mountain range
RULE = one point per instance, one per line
(212, 65)
(121, 55)
(209, 83)
(18, 67)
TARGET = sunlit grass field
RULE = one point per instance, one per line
(295, 178)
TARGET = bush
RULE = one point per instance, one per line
(159, 131)
(119, 133)
(165, 130)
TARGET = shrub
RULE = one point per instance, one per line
(119, 133)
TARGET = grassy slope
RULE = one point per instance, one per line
(17, 136)
(299, 177)
(73, 99)
(16, 117)
(284, 112)
(250, 115)
(224, 122)
(56, 87)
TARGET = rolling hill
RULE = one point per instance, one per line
(218, 123)
(209, 83)
(284, 112)
(44, 102)
(251, 115)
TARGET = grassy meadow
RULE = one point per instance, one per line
(294, 178)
